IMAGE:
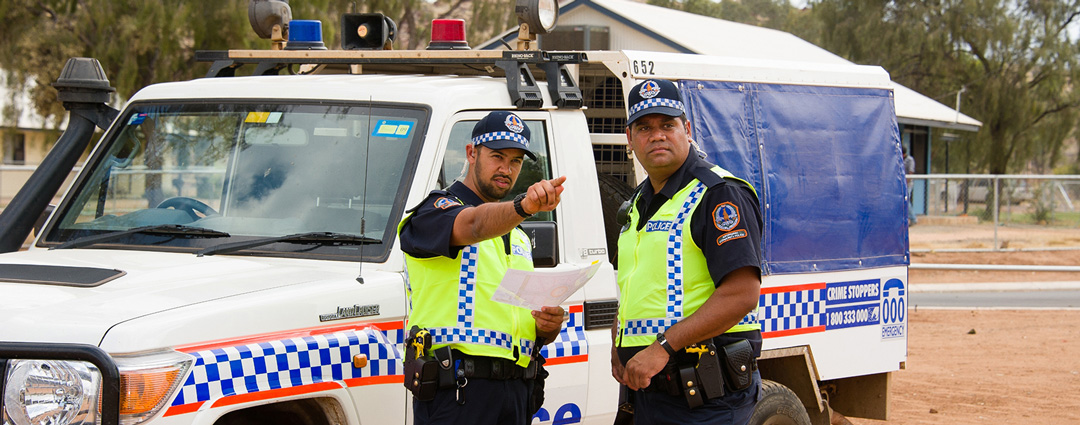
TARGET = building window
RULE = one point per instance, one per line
(14, 148)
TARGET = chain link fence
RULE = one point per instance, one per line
(995, 212)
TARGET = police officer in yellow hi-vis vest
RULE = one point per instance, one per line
(458, 244)
(686, 340)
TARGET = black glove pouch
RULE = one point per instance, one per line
(739, 365)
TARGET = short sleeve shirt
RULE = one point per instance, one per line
(427, 233)
(714, 231)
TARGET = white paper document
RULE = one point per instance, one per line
(533, 290)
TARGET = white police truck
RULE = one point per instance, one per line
(227, 255)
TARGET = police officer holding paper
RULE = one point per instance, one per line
(469, 360)
(686, 338)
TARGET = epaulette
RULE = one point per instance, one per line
(436, 192)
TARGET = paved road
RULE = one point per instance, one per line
(1044, 295)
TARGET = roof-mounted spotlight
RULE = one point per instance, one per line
(269, 19)
(535, 17)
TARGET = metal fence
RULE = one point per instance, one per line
(995, 212)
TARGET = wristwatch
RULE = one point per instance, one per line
(662, 340)
(518, 208)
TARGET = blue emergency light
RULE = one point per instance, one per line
(305, 35)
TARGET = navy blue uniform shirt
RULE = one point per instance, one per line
(427, 233)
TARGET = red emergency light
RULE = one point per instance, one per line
(448, 34)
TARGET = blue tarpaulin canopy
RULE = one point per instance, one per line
(826, 164)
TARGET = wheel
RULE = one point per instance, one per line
(192, 206)
(778, 406)
(613, 192)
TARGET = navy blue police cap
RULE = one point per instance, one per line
(654, 97)
(502, 130)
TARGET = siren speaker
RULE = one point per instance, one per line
(366, 31)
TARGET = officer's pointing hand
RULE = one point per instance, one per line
(543, 195)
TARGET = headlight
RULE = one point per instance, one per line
(62, 392)
(51, 392)
(147, 381)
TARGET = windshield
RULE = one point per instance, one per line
(252, 171)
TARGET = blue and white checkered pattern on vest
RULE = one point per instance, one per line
(464, 332)
(675, 275)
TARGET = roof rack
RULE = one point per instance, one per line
(520, 82)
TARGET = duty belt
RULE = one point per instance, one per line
(491, 367)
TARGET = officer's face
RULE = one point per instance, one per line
(494, 171)
(660, 142)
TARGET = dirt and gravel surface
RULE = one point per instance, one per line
(989, 366)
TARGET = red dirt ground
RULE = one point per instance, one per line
(989, 366)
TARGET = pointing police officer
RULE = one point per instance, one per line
(689, 273)
(458, 244)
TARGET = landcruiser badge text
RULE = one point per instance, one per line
(354, 311)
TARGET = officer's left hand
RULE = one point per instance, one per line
(643, 366)
(549, 321)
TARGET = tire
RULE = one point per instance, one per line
(613, 193)
(778, 406)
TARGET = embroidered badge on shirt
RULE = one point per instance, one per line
(730, 236)
(725, 216)
(444, 203)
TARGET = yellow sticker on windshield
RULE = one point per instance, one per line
(258, 117)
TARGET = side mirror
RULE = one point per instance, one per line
(545, 240)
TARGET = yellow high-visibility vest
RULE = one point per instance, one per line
(663, 276)
(451, 298)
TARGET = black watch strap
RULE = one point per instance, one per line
(662, 340)
(518, 208)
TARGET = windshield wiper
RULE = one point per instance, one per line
(312, 238)
(177, 230)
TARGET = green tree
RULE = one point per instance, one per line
(142, 42)
(1015, 61)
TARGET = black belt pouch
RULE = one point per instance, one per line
(421, 372)
(738, 364)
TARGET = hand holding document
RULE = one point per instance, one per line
(533, 290)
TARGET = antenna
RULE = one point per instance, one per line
(363, 202)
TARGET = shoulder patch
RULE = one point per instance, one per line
(444, 203)
(725, 216)
(730, 236)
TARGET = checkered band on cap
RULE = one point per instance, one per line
(501, 135)
(655, 102)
